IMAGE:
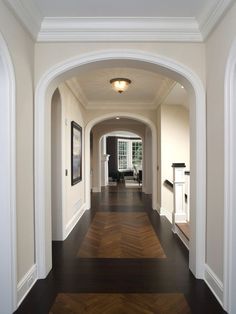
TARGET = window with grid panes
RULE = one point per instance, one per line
(129, 154)
(122, 155)
(137, 153)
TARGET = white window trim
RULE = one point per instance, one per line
(129, 153)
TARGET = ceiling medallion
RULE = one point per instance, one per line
(120, 85)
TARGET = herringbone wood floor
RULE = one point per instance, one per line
(134, 285)
(121, 235)
(173, 303)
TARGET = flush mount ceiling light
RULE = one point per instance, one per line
(120, 85)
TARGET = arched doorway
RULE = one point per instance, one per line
(133, 116)
(179, 73)
(136, 128)
(230, 183)
(7, 183)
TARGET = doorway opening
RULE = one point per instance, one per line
(146, 61)
(121, 153)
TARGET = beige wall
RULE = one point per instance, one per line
(147, 162)
(21, 48)
(217, 51)
(174, 147)
(148, 114)
(158, 115)
(73, 195)
(49, 54)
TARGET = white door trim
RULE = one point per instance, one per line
(8, 251)
(99, 135)
(172, 68)
(230, 183)
(129, 115)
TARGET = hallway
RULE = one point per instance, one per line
(122, 257)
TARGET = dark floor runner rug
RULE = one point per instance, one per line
(129, 303)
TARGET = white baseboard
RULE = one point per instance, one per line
(26, 283)
(73, 221)
(96, 189)
(214, 283)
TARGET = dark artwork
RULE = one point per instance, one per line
(76, 153)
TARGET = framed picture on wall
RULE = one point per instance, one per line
(76, 153)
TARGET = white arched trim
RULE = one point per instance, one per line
(230, 183)
(8, 252)
(126, 129)
(171, 68)
(101, 134)
(128, 115)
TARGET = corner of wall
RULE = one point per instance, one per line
(164, 212)
(158, 208)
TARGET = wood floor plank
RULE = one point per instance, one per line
(121, 196)
(128, 277)
(121, 235)
(130, 303)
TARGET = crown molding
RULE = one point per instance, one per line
(28, 14)
(76, 90)
(212, 14)
(136, 29)
(119, 105)
(165, 89)
(117, 29)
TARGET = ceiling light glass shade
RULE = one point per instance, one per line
(120, 85)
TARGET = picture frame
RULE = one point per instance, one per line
(76, 153)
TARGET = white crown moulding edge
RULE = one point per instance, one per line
(129, 106)
(137, 29)
(212, 15)
(119, 29)
(29, 15)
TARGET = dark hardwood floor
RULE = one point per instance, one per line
(74, 277)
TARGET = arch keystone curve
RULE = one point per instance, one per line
(198, 147)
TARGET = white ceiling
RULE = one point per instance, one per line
(123, 20)
(126, 20)
(147, 89)
(122, 8)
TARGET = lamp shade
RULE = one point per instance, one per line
(120, 85)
